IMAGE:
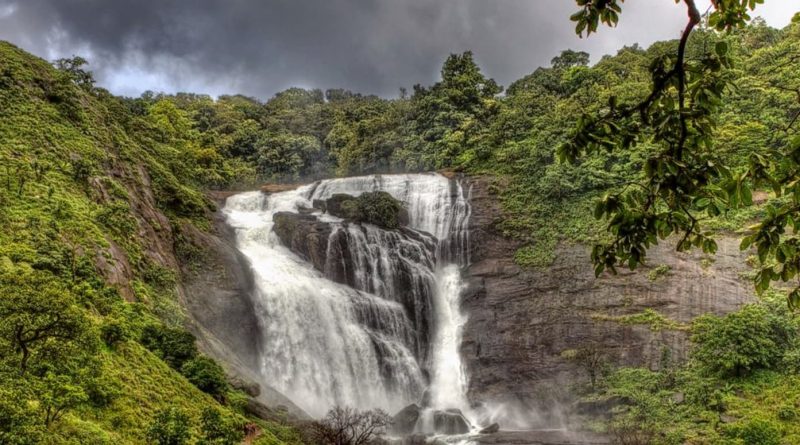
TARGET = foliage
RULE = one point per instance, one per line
(742, 341)
(758, 430)
(684, 177)
(378, 208)
(169, 427)
(684, 403)
(174, 345)
(218, 430)
(206, 375)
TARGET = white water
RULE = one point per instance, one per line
(365, 346)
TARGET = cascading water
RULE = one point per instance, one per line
(383, 311)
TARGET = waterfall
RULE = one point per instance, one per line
(381, 314)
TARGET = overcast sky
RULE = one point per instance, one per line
(259, 47)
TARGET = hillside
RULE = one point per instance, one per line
(93, 205)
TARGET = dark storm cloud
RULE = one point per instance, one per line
(260, 47)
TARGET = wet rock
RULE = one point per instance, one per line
(426, 398)
(450, 422)
(491, 429)
(405, 420)
(415, 439)
(249, 387)
(304, 235)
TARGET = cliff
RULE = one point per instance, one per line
(524, 325)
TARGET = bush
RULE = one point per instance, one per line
(114, 332)
(378, 208)
(20, 424)
(219, 430)
(755, 431)
(740, 342)
(170, 426)
(206, 375)
(174, 345)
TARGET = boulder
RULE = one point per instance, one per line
(405, 420)
(304, 235)
(451, 421)
(491, 429)
(249, 387)
(426, 398)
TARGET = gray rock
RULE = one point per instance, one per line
(405, 420)
(451, 421)
(491, 429)
(425, 402)
(249, 387)
(520, 320)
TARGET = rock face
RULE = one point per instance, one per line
(305, 236)
(216, 289)
(521, 321)
(395, 264)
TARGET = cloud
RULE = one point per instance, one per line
(261, 47)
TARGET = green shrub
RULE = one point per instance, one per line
(755, 431)
(20, 424)
(170, 426)
(378, 208)
(660, 271)
(174, 345)
(206, 375)
(787, 413)
(219, 430)
(113, 332)
(740, 342)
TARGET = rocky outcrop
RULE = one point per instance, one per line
(217, 288)
(305, 236)
(522, 321)
(491, 429)
(395, 264)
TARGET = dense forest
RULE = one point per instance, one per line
(88, 180)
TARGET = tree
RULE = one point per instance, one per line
(170, 426)
(348, 426)
(447, 125)
(740, 342)
(73, 67)
(206, 375)
(19, 423)
(57, 394)
(39, 318)
(174, 345)
(219, 430)
(683, 178)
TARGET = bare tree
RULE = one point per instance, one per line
(348, 426)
